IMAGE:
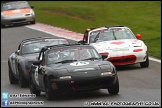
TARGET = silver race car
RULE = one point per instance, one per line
(19, 62)
(16, 12)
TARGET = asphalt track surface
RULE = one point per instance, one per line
(138, 86)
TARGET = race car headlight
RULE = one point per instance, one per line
(106, 68)
(32, 12)
(137, 44)
(2, 15)
(65, 77)
(105, 73)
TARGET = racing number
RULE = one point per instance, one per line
(36, 76)
(13, 61)
(14, 66)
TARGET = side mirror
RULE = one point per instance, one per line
(17, 52)
(32, 7)
(81, 42)
(104, 56)
(36, 62)
(138, 36)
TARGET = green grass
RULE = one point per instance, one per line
(142, 17)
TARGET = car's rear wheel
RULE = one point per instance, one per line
(48, 89)
(22, 81)
(145, 64)
(115, 88)
(12, 79)
(33, 89)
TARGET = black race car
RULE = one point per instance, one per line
(71, 68)
(20, 61)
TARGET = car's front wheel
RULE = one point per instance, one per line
(145, 64)
(2, 25)
(33, 89)
(12, 79)
(22, 81)
(48, 89)
(32, 22)
(115, 88)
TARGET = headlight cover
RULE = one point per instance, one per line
(105, 73)
(32, 12)
(137, 44)
(108, 69)
(65, 77)
(2, 15)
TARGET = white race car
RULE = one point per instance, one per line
(119, 42)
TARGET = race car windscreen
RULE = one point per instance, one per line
(15, 5)
(110, 34)
(71, 54)
(35, 46)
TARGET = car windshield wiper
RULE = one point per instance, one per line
(65, 61)
(114, 34)
(96, 37)
(23, 7)
(11, 9)
(30, 53)
(93, 58)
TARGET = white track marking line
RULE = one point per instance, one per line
(57, 35)
(150, 58)
(153, 59)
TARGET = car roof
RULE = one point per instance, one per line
(63, 46)
(7, 2)
(38, 38)
(103, 27)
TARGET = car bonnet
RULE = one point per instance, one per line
(115, 44)
(79, 66)
(16, 11)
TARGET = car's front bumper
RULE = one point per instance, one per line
(17, 20)
(122, 58)
(86, 84)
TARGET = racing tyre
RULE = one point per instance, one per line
(32, 22)
(33, 89)
(145, 64)
(22, 81)
(12, 79)
(115, 88)
(48, 89)
(2, 25)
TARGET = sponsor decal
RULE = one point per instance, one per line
(49, 39)
(80, 63)
(84, 69)
(120, 49)
(36, 76)
(36, 49)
